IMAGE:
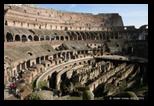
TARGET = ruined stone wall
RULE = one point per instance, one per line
(105, 76)
(29, 16)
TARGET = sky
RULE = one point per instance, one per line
(132, 14)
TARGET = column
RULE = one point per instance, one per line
(69, 56)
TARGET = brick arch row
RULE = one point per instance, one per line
(71, 35)
(9, 37)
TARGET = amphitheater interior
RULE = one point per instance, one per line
(67, 53)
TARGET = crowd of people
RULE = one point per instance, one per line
(14, 89)
(15, 80)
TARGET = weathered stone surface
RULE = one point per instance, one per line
(40, 95)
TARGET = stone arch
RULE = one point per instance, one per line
(88, 35)
(83, 35)
(66, 37)
(48, 77)
(36, 38)
(41, 38)
(9, 37)
(100, 36)
(79, 37)
(62, 38)
(97, 37)
(29, 53)
(75, 36)
(47, 38)
(57, 37)
(71, 37)
(28, 64)
(17, 38)
(92, 36)
(30, 38)
(89, 62)
(24, 38)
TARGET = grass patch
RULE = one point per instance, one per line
(42, 83)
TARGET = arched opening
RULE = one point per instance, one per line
(23, 65)
(62, 38)
(89, 62)
(57, 37)
(71, 37)
(103, 36)
(24, 39)
(92, 36)
(107, 37)
(52, 80)
(52, 38)
(46, 57)
(75, 36)
(28, 64)
(41, 38)
(29, 38)
(46, 25)
(111, 36)
(40, 27)
(30, 53)
(97, 37)
(116, 36)
(37, 60)
(36, 38)
(66, 37)
(88, 36)
(9, 37)
(47, 38)
(6, 23)
(79, 37)
(66, 29)
(100, 36)
(17, 38)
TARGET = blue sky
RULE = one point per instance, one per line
(132, 14)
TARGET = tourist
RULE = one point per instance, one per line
(11, 86)
(16, 93)
(14, 86)
(13, 79)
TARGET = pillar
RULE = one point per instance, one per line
(69, 56)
